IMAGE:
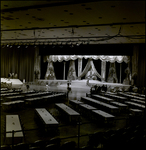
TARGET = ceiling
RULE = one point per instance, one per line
(70, 21)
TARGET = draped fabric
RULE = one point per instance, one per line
(111, 59)
(103, 69)
(112, 76)
(88, 67)
(71, 71)
(18, 60)
(50, 74)
(37, 64)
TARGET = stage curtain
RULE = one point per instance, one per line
(111, 59)
(50, 74)
(112, 76)
(71, 71)
(37, 59)
(89, 66)
(18, 60)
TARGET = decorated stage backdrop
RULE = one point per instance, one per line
(89, 71)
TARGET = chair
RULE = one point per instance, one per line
(95, 139)
(34, 148)
(51, 147)
(5, 147)
(55, 140)
(39, 143)
(21, 146)
(68, 145)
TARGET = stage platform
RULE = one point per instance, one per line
(80, 83)
(16, 83)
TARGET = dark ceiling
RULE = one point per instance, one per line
(62, 22)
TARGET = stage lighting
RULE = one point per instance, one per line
(7, 45)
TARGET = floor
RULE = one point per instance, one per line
(35, 132)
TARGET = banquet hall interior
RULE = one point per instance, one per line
(73, 74)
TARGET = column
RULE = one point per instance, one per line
(103, 70)
(79, 67)
(64, 71)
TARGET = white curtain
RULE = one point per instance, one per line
(50, 74)
(111, 59)
(90, 65)
(71, 71)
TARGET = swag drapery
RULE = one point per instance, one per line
(111, 59)
(90, 68)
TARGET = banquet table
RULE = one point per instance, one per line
(102, 98)
(72, 114)
(16, 83)
(116, 97)
(133, 104)
(75, 103)
(13, 124)
(104, 116)
(132, 96)
(105, 106)
(120, 105)
(13, 105)
(46, 118)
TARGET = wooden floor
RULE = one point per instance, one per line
(75, 92)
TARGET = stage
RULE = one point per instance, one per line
(80, 83)
(15, 83)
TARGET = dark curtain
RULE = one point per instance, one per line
(141, 77)
(18, 60)
(59, 69)
(107, 70)
(118, 71)
(66, 68)
(43, 68)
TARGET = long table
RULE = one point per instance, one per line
(46, 118)
(13, 124)
(105, 99)
(104, 116)
(131, 96)
(120, 105)
(73, 115)
(116, 97)
(13, 105)
(107, 107)
(132, 104)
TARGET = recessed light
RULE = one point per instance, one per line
(71, 13)
(84, 21)
(61, 20)
(100, 17)
(29, 22)
(65, 10)
(33, 17)
(131, 26)
(27, 14)
(112, 6)
(124, 18)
